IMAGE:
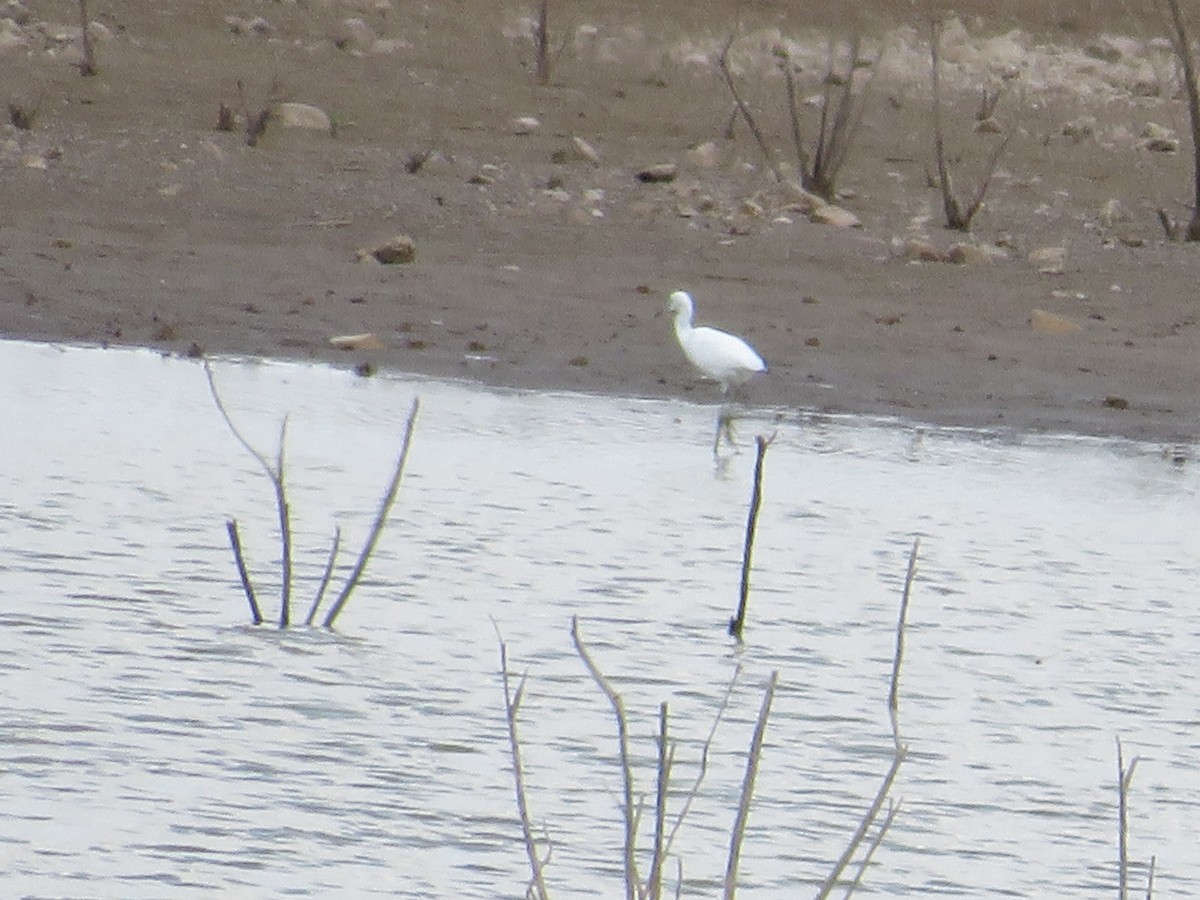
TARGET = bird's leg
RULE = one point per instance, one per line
(725, 418)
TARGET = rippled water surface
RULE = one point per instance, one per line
(154, 744)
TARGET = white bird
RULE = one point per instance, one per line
(722, 356)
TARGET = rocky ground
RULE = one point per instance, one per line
(544, 240)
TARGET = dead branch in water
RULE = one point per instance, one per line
(1124, 780)
(239, 559)
(632, 880)
(958, 217)
(326, 577)
(274, 473)
(512, 708)
(385, 506)
(738, 834)
(899, 753)
(663, 839)
(738, 622)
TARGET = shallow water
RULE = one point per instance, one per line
(153, 742)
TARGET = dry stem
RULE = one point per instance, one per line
(239, 559)
(88, 66)
(723, 65)
(275, 474)
(631, 874)
(957, 217)
(512, 707)
(738, 834)
(1124, 779)
(899, 753)
(737, 623)
(385, 506)
(326, 577)
(1183, 50)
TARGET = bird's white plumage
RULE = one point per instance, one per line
(722, 356)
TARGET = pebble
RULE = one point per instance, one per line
(301, 115)
(660, 173)
(399, 249)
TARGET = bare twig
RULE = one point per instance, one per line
(239, 559)
(851, 848)
(841, 114)
(957, 217)
(385, 506)
(723, 65)
(541, 42)
(256, 123)
(900, 751)
(1181, 41)
(666, 760)
(275, 474)
(694, 791)
(1124, 779)
(632, 881)
(87, 66)
(882, 831)
(738, 622)
(512, 707)
(1171, 228)
(737, 836)
(326, 577)
(898, 658)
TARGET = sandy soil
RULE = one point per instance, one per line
(126, 217)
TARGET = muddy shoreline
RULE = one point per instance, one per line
(130, 220)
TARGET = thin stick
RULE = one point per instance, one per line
(789, 84)
(1183, 50)
(901, 627)
(88, 65)
(956, 217)
(900, 750)
(743, 813)
(949, 204)
(385, 506)
(326, 577)
(695, 789)
(285, 532)
(631, 874)
(512, 706)
(893, 808)
(666, 760)
(1150, 879)
(872, 812)
(737, 623)
(236, 542)
(275, 474)
(1124, 779)
(848, 117)
(723, 65)
(541, 42)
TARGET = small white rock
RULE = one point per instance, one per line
(301, 115)
(525, 125)
(836, 216)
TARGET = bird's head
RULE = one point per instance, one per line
(680, 301)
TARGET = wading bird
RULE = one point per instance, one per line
(722, 356)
